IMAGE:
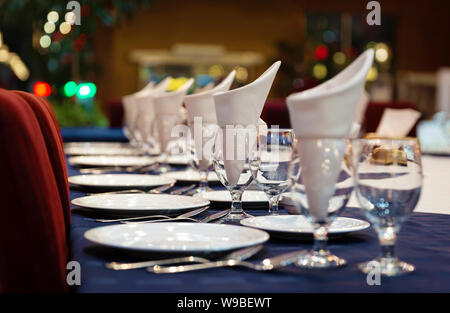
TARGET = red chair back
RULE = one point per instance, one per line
(55, 147)
(33, 231)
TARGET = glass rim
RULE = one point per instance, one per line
(411, 140)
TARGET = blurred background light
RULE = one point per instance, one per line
(241, 74)
(381, 52)
(52, 16)
(49, 27)
(45, 41)
(70, 89)
(320, 71)
(372, 75)
(216, 71)
(42, 89)
(86, 90)
(65, 28)
(70, 18)
(339, 58)
(321, 53)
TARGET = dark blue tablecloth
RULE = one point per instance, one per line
(70, 134)
(424, 241)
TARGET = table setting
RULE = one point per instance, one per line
(233, 205)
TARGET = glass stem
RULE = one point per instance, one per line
(203, 185)
(273, 204)
(236, 202)
(387, 237)
(321, 240)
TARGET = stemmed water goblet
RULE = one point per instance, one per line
(388, 181)
(200, 152)
(321, 189)
(235, 160)
(275, 149)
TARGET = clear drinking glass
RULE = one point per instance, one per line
(235, 160)
(165, 124)
(388, 182)
(201, 153)
(275, 149)
(321, 190)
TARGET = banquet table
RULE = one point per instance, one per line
(423, 241)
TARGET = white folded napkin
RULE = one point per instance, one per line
(326, 111)
(397, 122)
(131, 106)
(361, 107)
(242, 106)
(200, 106)
(169, 112)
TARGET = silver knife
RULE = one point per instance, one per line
(268, 264)
(187, 215)
(215, 216)
(241, 254)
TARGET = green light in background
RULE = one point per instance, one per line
(70, 89)
(86, 90)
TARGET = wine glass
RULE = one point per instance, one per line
(275, 149)
(235, 160)
(130, 116)
(200, 151)
(165, 125)
(388, 181)
(321, 190)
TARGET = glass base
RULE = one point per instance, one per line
(387, 267)
(162, 169)
(233, 218)
(200, 190)
(322, 259)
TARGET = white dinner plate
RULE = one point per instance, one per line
(191, 176)
(92, 160)
(176, 237)
(140, 204)
(98, 148)
(298, 226)
(176, 160)
(120, 181)
(253, 197)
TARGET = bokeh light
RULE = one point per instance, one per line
(339, 58)
(86, 90)
(241, 74)
(321, 53)
(320, 71)
(65, 28)
(70, 89)
(49, 27)
(381, 52)
(70, 18)
(45, 41)
(216, 71)
(372, 75)
(42, 89)
(53, 16)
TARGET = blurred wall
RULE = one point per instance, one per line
(421, 35)
(253, 25)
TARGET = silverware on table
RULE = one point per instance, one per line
(158, 190)
(128, 169)
(207, 219)
(158, 217)
(162, 189)
(183, 190)
(265, 265)
(241, 254)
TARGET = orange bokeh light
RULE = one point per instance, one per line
(42, 89)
